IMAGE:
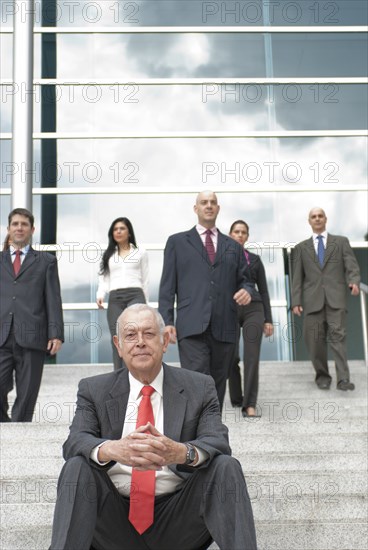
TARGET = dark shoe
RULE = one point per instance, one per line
(323, 384)
(236, 403)
(345, 385)
(246, 415)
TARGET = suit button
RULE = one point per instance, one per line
(14, 298)
(10, 313)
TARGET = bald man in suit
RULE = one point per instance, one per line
(207, 274)
(199, 492)
(323, 269)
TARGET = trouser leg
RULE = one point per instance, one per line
(7, 366)
(213, 502)
(315, 333)
(252, 337)
(203, 353)
(89, 511)
(336, 321)
(235, 385)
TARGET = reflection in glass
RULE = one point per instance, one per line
(208, 107)
(209, 55)
(201, 13)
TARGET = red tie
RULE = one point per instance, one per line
(210, 246)
(17, 263)
(142, 492)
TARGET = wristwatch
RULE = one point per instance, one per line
(191, 454)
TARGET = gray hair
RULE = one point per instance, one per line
(141, 307)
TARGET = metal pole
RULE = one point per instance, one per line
(22, 124)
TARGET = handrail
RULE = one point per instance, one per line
(363, 307)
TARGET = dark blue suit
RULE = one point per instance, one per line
(206, 320)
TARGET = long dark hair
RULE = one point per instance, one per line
(111, 247)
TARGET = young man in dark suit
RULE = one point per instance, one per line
(30, 314)
(323, 269)
(163, 481)
(206, 272)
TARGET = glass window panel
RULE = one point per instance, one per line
(242, 164)
(210, 55)
(6, 56)
(6, 92)
(7, 12)
(5, 207)
(160, 56)
(6, 166)
(319, 55)
(87, 338)
(197, 12)
(273, 217)
(208, 107)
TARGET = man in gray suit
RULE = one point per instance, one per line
(323, 268)
(207, 273)
(199, 490)
(30, 314)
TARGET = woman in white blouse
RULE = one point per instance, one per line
(123, 273)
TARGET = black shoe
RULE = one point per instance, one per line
(345, 385)
(246, 415)
(236, 403)
(323, 384)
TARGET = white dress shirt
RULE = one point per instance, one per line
(166, 480)
(202, 233)
(315, 240)
(24, 252)
(128, 272)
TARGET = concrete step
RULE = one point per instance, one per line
(321, 535)
(305, 460)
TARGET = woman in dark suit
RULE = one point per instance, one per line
(123, 274)
(255, 319)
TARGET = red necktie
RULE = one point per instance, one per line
(142, 492)
(17, 262)
(210, 246)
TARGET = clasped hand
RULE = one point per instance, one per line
(144, 449)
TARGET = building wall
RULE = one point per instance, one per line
(263, 102)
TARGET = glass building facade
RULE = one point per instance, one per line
(139, 105)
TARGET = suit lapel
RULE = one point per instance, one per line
(6, 262)
(330, 248)
(175, 404)
(29, 260)
(223, 243)
(116, 407)
(195, 240)
(312, 252)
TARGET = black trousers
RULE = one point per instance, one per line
(203, 353)
(212, 504)
(251, 321)
(27, 364)
(119, 300)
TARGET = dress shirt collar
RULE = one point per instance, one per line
(202, 229)
(136, 386)
(24, 250)
(324, 235)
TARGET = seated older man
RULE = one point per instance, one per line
(148, 462)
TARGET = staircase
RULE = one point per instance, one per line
(305, 460)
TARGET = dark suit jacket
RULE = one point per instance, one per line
(191, 413)
(204, 292)
(313, 285)
(31, 299)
